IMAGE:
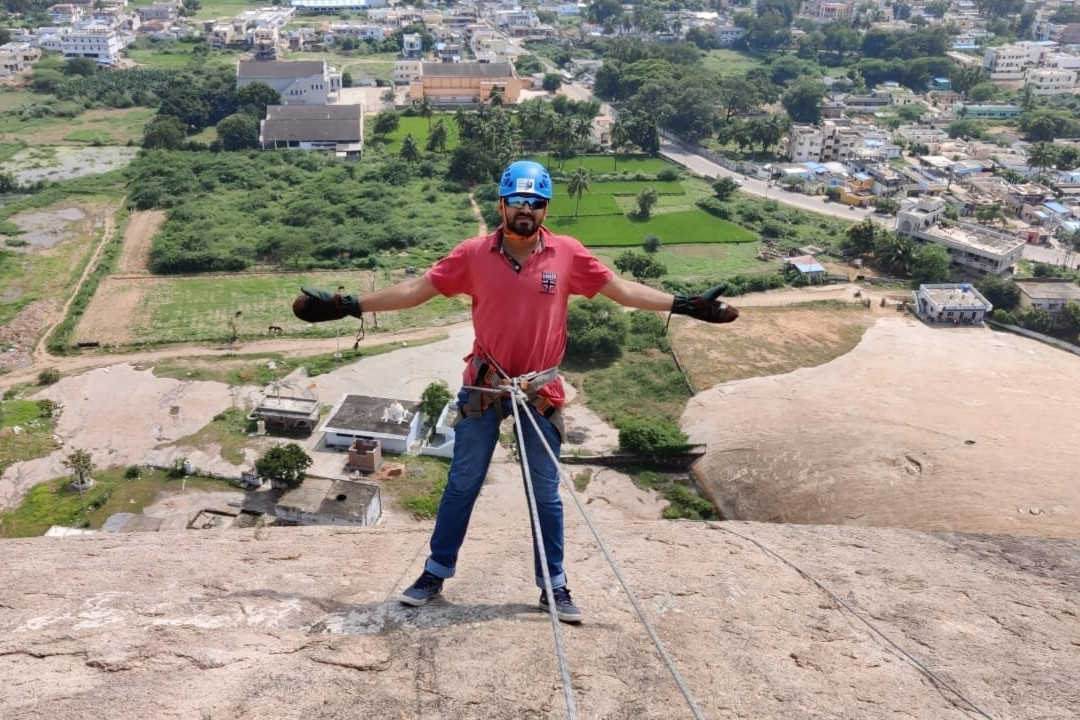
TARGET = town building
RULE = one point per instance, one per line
(325, 501)
(99, 42)
(1050, 295)
(300, 82)
(466, 83)
(339, 128)
(1050, 81)
(959, 304)
(971, 248)
(395, 424)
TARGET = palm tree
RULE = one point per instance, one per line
(579, 184)
(426, 110)
(410, 150)
(582, 128)
(496, 96)
(436, 141)
(1042, 155)
(620, 140)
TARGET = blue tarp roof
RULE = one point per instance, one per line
(1056, 207)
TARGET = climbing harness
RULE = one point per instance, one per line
(521, 392)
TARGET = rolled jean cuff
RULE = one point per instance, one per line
(439, 570)
(557, 581)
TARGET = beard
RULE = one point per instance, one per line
(524, 224)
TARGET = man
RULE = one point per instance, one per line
(520, 279)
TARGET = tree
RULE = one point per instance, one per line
(1042, 155)
(642, 267)
(894, 253)
(8, 183)
(81, 465)
(646, 199)
(238, 131)
(436, 141)
(410, 149)
(426, 110)
(552, 82)
(595, 330)
(724, 187)
(81, 66)
(254, 98)
(886, 205)
(579, 184)
(432, 401)
(803, 101)
(930, 263)
(164, 132)
(1037, 319)
(987, 214)
(386, 122)
(1002, 293)
(284, 465)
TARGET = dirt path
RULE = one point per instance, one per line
(141, 229)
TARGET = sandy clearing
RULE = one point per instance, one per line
(919, 427)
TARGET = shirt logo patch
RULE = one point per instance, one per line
(547, 283)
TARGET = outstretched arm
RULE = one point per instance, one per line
(706, 306)
(405, 294)
(634, 294)
(315, 305)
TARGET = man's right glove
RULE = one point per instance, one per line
(314, 305)
(705, 306)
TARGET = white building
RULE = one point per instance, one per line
(407, 71)
(1050, 81)
(100, 42)
(324, 501)
(972, 248)
(395, 424)
(301, 82)
(959, 304)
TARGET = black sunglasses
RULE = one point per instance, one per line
(520, 201)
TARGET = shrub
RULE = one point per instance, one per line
(133, 472)
(651, 437)
(688, 505)
(48, 376)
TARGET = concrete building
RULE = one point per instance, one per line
(394, 423)
(959, 304)
(339, 128)
(1050, 81)
(973, 249)
(100, 42)
(324, 501)
(301, 82)
(466, 83)
(1050, 295)
(407, 72)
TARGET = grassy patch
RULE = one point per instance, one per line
(727, 62)
(673, 228)
(228, 430)
(419, 490)
(637, 385)
(54, 503)
(90, 136)
(701, 264)
(35, 438)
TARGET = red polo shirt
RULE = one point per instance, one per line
(519, 317)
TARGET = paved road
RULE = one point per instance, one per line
(706, 168)
(1052, 256)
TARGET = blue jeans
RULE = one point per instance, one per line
(474, 444)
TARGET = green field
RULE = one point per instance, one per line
(674, 228)
(700, 264)
(729, 62)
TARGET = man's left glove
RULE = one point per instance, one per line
(315, 305)
(705, 306)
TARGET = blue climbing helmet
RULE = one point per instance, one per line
(525, 177)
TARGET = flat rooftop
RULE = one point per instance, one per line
(363, 414)
(1065, 290)
(956, 297)
(326, 496)
(984, 240)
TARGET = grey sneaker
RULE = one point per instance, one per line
(565, 608)
(426, 587)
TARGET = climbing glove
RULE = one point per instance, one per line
(315, 305)
(705, 306)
